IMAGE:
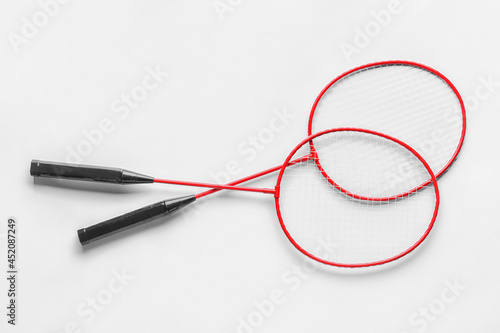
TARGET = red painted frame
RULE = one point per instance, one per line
(392, 63)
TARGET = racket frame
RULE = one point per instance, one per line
(309, 139)
(395, 63)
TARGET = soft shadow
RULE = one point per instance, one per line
(417, 256)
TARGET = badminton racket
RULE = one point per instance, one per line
(410, 101)
(404, 99)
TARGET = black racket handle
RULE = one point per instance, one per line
(87, 173)
(132, 219)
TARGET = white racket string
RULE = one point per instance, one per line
(405, 101)
(372, 230)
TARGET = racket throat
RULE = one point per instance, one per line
(276, 191)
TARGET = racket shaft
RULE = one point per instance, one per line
(86, 173)
(132, 219)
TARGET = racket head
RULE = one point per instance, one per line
(365, 231)
(406, 100)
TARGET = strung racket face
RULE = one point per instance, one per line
(362, 229)
(405, 100)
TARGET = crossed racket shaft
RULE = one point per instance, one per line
(147, 213)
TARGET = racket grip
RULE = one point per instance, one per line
(87, 173)
(132, 219)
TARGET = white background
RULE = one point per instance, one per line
(204, 269)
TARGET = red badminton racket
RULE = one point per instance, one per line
(407, 100)
(369, 230)
(410, 101)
